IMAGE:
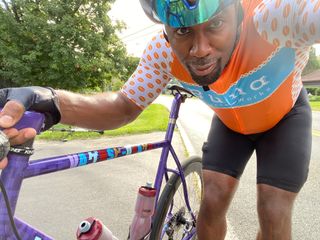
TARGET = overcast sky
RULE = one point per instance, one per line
(140, 29)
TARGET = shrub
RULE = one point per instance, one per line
(312, 90)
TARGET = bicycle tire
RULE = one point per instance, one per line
(190, 166)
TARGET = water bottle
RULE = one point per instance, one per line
(144, 209)
(94, 229)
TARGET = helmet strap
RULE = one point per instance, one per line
(165, 36)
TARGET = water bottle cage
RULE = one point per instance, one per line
(27, 151)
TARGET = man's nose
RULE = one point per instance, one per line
(201, 46)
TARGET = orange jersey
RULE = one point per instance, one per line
(262, 80)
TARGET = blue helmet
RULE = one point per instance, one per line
(182, 13)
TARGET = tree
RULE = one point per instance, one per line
(68, 44)
(129, 66)
(313, 62)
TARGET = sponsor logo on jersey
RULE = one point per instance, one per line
(254, 87)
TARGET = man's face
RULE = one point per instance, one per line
(205, 49)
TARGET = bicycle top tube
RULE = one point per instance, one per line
(20, 168)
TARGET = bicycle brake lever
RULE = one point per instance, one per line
(4, 145)
(30, 119)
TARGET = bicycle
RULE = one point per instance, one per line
(175, 213)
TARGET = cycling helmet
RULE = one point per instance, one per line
(182, 13)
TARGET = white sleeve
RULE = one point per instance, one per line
(152, 73)
(290, 23)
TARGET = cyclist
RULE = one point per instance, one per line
(244, 59)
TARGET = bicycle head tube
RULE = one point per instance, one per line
(13, 174)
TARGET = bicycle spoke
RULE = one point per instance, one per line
(182, 224)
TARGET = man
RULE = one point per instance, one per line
(245, 61)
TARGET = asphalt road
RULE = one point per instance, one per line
(195, 118)
(316, 121)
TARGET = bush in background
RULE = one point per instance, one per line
(314, 91)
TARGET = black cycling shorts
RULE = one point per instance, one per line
(283, 152)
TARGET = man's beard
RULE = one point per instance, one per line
(207, 79)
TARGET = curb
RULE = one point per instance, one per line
(186, 140)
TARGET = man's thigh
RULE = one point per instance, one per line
(283, 153)
(226, 151)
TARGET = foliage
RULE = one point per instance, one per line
(115, 85)
(315, 91)
(313, 62)
(154, 118)
(67, 44)
(130, 65)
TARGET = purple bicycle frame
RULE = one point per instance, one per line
(20, 168)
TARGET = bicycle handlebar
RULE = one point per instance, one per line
(29, 119)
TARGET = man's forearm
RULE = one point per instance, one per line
(100, 111)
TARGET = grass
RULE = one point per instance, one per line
(152, 119)
(315, 105)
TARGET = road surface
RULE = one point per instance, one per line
(195, 118)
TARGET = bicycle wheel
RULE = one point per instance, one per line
(172, 219)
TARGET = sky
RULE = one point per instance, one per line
(317, 47)
(139, 28)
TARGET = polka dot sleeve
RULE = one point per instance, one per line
(152, 73)
(290, 23)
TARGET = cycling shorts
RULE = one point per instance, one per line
(283, 152)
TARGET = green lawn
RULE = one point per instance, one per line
(315, 105)
(154, 118)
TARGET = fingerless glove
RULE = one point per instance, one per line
(39, 99)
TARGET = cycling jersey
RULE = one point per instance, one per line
(262, 80)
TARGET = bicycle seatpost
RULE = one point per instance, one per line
(12, 175)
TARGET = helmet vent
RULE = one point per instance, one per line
(191, 4)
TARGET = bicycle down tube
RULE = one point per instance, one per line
(20, 168)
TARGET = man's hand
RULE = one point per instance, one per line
(37, 99)
(15, 101)
(9, 116)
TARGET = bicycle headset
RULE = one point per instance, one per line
(183, 13)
